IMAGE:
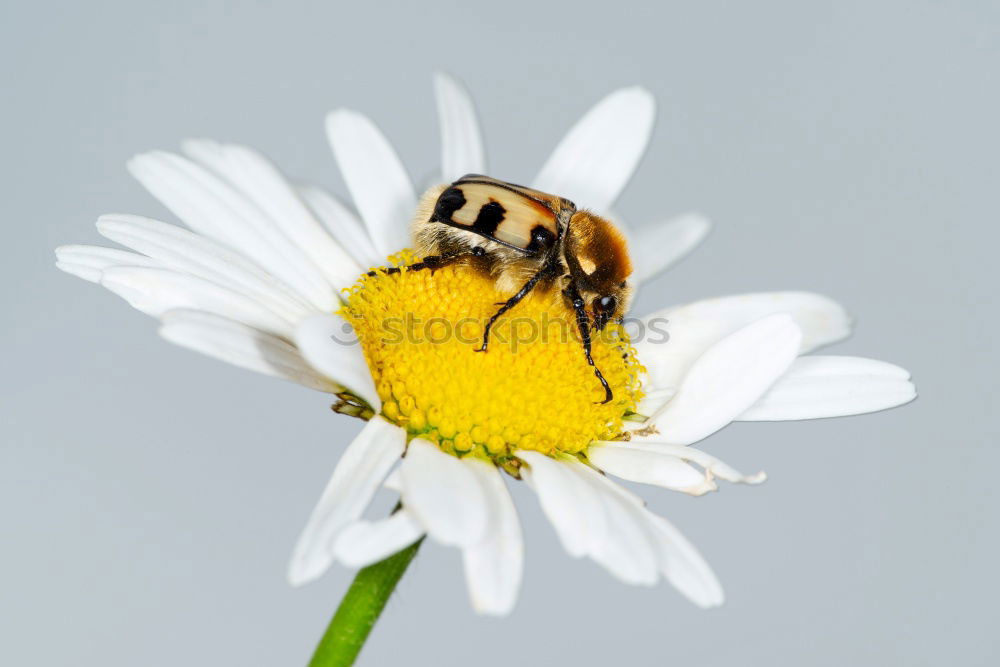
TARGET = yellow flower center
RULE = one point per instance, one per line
(532, 388)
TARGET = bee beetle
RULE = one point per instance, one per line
(528, 240)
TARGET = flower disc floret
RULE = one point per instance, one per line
(532, 389)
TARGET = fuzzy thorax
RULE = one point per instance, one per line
(532, 389)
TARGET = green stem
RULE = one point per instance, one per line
(360, 608)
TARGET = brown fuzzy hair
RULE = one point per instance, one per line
(602, 246)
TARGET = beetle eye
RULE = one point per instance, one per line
(605, 304)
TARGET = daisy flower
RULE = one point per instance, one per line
(274, 277)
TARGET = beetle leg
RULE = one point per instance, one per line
(583, 324)
(511, 302)
(433, 262)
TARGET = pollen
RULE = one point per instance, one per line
(531, 389)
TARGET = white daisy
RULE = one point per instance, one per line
(257, 281)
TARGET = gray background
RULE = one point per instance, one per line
(149, 497)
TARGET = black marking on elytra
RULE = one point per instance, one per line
(450, 201)
(489, 218)
(520, 190)
(542, 239)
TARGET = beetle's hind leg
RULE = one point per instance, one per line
(433, 262)
(583, 324)
(510, 303)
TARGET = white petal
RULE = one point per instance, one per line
(493, 567)
(683, 566)
(461, 142)
(654, 398)
(827, 386)
(343, 224)
(633, 463)
(155, 291)
(215, 209)
(88, 273)
(575, 511)
(712, 465)
(393, 482)
(596, 159)
(379, 185)
(89, 261)
(259, 180)
(660, 464)
(362, 543)
(361, 469)
(727, 379)
(656, 247)
(328, 343)
(616, 530)
(184, 251)
(241, 346)
(669, 341)
(627, 551)
(444, 494)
